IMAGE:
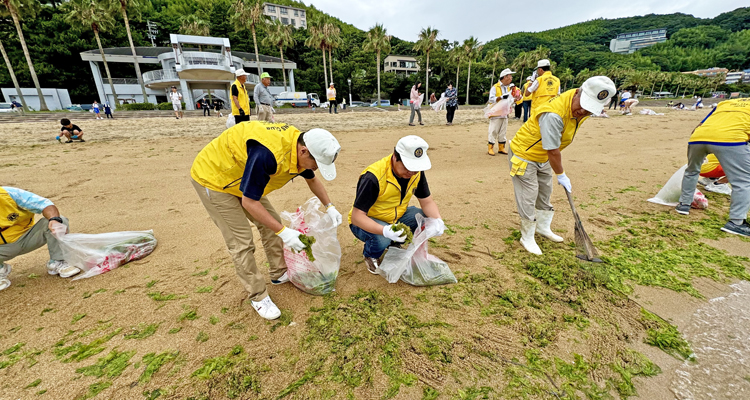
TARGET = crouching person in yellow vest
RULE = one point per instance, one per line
(535, 154)
(20, 235)
(383, 194)
(233, 176)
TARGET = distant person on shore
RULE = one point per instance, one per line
(218, 105)
(433, 99)
(205, 106)
(331, 96)
(544, 87)
(263, 98)
(240, 99)
(452, 104)
(415, 101)
(725, 132)
(615, 101)
(95, 107)
(518, 107)
(108, 111)
(699, 103)
(69, 131)
(498, 126)
(628, 102)
(526, 99)
(176, 99)
(20, 235)
(343, 103)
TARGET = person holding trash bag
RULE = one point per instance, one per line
(544, 86)
(502, 90)
(233, 176)
(20, 235)
(535, 153)
(383, 194)
(725, 132)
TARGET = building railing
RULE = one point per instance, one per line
(121, 81)
(160, 75)
(202, 58)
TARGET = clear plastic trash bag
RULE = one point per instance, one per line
(96, 254)
(230, 121)
(669, 195)
(314, 277)
(414, 265)
(500, 109)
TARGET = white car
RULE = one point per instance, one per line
(6, 107)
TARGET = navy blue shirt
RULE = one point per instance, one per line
(261, 164)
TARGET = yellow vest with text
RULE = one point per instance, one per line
(242, 98)
(523, 91)
(221, 164)
(549, 87)
(14, 220)
(729, 123)
(527, 144)
(389, 206)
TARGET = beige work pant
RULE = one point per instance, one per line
(232, 220)
(265, 113)
(34, 238)
(498, 129)
(533, 189)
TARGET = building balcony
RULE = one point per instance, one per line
(161, 78)
(203, 65)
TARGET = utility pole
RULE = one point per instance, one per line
(152, 31)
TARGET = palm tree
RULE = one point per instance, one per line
(315, 40)
(457, 56)
(566, 75)
(248, 14)
(427, 42)
(133, 5)
(333, 40)
(193, 25)
(494, 57)
(379, 41)
(522, 61)
(15, 8)
(583, 75)
(678, 79)
(636, 79)
(98, 16)
(280, 35)
(13, 76)
(472, 46)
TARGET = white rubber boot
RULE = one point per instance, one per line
(543, 221)
(527, 237)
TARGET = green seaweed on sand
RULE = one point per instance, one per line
(406, 230)
(308, 241)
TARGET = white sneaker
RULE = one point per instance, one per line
(266, 308)
(4, 272)
(62, 268)
(282, 279)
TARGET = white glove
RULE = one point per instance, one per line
(398, 236)
(291, 239)
(565, 182)
(334, 214)
(441, 227)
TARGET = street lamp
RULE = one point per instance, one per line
(350, 93)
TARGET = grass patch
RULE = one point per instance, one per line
(174, 330)
(213, 320)
(204, 289)
(201, 273)
(160, 296)
(190, 314)
(110, 365)
(202, 337)
(94, 389)
(284, 320)
(151, 284)
(79, 351)
(142, 331)
(77, 318)
(153, 362)
(34, 384)
(468, 243)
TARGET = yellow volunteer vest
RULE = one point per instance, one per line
(711, 164)
(549, 87)
(389, 207)
(527, 144)
(523, 91)
(241, 98)
(499, 92)
(14, 220)
(221, 164)
(729, 123)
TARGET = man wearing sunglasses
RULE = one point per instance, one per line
(233, 176)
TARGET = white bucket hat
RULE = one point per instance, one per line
(505, 72)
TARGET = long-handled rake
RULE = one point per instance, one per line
(584, 247)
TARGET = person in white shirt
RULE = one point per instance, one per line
(499, 125)
(176, 99)
(331, 95)
(627, 102)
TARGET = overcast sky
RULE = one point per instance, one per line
(490, 19)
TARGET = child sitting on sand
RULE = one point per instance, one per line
(70, 131)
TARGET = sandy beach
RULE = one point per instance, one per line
(134, 175)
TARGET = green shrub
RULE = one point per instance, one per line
(252, 105)
(167, 106)
(138, 107)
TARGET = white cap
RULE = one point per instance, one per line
(330, 84)
(542, 63)
(413, 152)
(324, 148)
(240, 72)
(596, 92)
(506, 71)
(528, 78)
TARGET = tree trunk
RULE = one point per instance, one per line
(458, 68)
(427, 81)
(283, 69)
(661, 88)
(468, 80)
(520, 82)
(132, 49)
(492, 80)
(677, 92)
(257, 58)
(106, 68)
(13, 78)
(325, 72)
(330, 62)
(652, 88)
(378, 61)
(14, 14)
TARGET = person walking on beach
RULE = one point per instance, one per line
(526, 99)
(499, 125)
(725, 132)
(240, 99)
(534, 154)
(615, 101)
(331, 96)
(205, 106)
(108, 111)
(176, 99)
(415, 100)
(95, 107)
(20, 235)
(234, 174)
(263, 98)
(544, 87)
(451, 104)
(218, 105)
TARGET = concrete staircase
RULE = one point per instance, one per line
(17, 117)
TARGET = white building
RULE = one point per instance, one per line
(295, 17)
(626, 43)
(734, 77)
(56, 99)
